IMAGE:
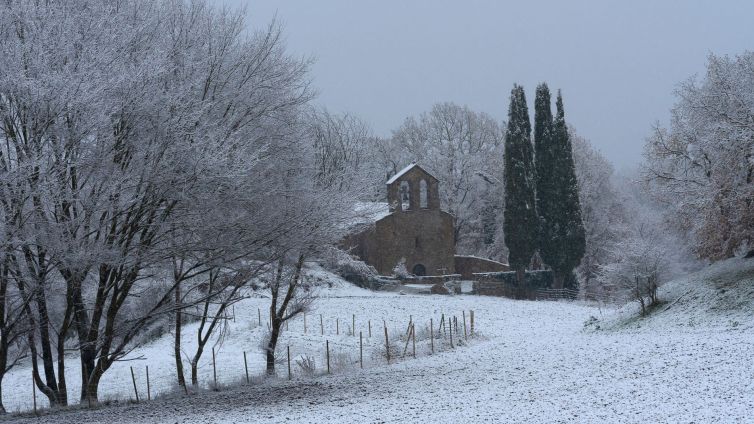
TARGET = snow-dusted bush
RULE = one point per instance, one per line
(642, 263)
(648, 253)
(348, 267)
(400, 270)
(307, 365)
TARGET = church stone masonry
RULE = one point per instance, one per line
(416, 231)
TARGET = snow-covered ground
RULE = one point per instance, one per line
(534, 362)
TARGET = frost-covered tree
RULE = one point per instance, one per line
(648, 252)
(520, 214)
(601, 209)
(341, 147)
(702, 166)
(126, 122)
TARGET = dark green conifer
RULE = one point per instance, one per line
(520, 215)
(548, 181)
(563, 239)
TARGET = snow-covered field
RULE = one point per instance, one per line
(535, 362)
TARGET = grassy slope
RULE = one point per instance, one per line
(720, 296)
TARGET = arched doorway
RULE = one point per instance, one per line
(419, 270)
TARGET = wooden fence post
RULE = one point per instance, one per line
(304, 323)
(234, 313)
(408, 339)
(327, 349)
(413, 339)
(465, 334)
(432, 334)
(361, 350)
(370, 328)
(133, 378)
(471, 312)
(387, 346)
(214, 368)
(289, 362)
(353, 325)
(259, 317)
(321, 325)
(337, 326)
(149, 388)
(246, 367)
(451, 334)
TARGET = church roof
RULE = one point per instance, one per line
(403, 171)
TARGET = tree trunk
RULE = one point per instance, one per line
(2, 408)
(44, 341)
(177, 343)
(272, 344)
(3, 365)
(195, 369)
(86, 350)
(92, 388)
(62, 387)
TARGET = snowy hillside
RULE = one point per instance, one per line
(720, 297)
(534, 362)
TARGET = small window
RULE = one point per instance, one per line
(419, 270)
(405, 195)
(423, 201)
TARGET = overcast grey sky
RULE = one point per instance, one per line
(617, 62)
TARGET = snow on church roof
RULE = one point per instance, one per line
(403, 171)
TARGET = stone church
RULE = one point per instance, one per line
(416, 232)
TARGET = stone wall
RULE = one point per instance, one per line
(423, 236)
(504, 284)
(467, 266)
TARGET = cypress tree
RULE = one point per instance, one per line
(548, 181)
(563, 238)
(519, 215)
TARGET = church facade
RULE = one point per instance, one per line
(416, 233)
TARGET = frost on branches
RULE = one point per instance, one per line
(702, 166)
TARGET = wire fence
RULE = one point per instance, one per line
(323, 346)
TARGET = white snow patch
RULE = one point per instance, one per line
(538, 364)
